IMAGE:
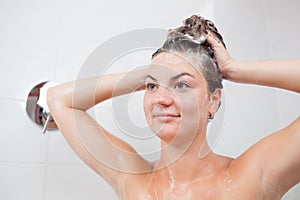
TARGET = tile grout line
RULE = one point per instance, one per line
(40, 163)
(22, 162)
(13, 99)
(46, 168)
(59, 18)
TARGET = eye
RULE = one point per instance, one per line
(182, 85)
(151, 86)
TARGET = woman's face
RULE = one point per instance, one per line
(176, 101)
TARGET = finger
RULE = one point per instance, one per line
(214, 41)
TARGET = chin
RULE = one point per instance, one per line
(166, 137)
(166, 133)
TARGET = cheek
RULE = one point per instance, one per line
(193, 118)
(194, 106)
(146, 105)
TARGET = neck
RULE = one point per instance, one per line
(188, 163)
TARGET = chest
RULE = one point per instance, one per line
(166, 190)
(211, 189)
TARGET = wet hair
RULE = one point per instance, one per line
(189, 40)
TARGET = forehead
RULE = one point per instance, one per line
(172, 64)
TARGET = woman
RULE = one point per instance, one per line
(182, 92)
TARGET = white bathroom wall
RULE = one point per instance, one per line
(282, 19)
(284, 44)
(50, 40)
(251, 112)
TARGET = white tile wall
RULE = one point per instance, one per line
(28, 45)
(285, 45)
(21, 181)
(20, 139)
(243, 27)
(293, 194)
(59, 152)
(50, 40)
(75, 182)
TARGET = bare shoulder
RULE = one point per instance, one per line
(272, 165)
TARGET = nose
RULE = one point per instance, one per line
(164, 96)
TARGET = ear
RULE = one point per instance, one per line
(215, 100)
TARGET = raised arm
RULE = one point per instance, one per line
(275, 159)
(284, 74)
(104, 153)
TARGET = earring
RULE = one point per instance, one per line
(210, 117)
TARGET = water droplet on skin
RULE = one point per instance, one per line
(227, 182)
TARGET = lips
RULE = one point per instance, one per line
(166, 117)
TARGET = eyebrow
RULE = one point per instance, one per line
(151, 77)
(172, 78)
(180, 75)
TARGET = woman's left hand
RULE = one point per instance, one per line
(224, 60)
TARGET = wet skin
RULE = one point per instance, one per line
(177, 105)
(176, 96)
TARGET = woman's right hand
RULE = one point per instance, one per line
(224, 60)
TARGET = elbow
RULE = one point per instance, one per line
(60, 96)
(52, 99)
(56, 99)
